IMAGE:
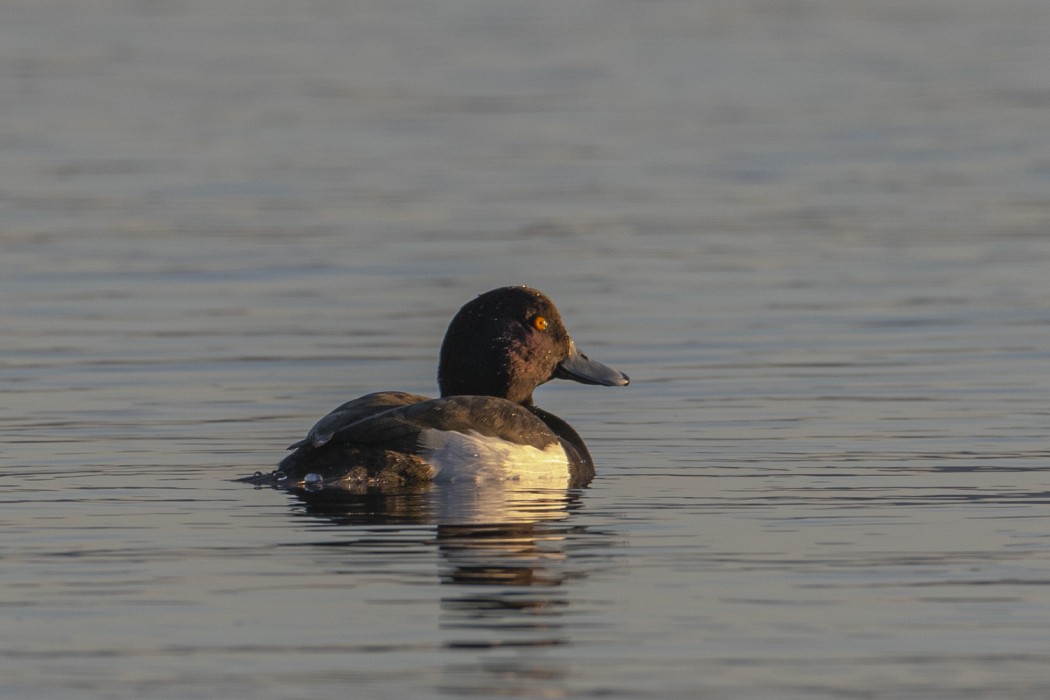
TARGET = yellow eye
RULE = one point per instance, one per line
(539, 323)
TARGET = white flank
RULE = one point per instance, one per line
(473, 457)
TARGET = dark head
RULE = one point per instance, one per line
(509, 341)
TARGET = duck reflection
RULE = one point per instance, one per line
(523, 554)
(499, 534)
(500, 504)
(507, 556)
(507, 589)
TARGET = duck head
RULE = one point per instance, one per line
(507, 342)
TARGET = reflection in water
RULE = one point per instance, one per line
(375, 507)
(483, 504)
(506, 554)
(502, 555)
(507, 590)
(496, 534)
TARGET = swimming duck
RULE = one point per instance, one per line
(498, 348)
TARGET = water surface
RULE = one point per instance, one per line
(813, 233)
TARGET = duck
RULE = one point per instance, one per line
(499, 347)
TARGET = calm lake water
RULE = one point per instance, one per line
(816, 234)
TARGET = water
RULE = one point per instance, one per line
(815, 234)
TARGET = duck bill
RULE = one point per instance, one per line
(580, 368)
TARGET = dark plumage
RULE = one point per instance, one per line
(498, 348)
